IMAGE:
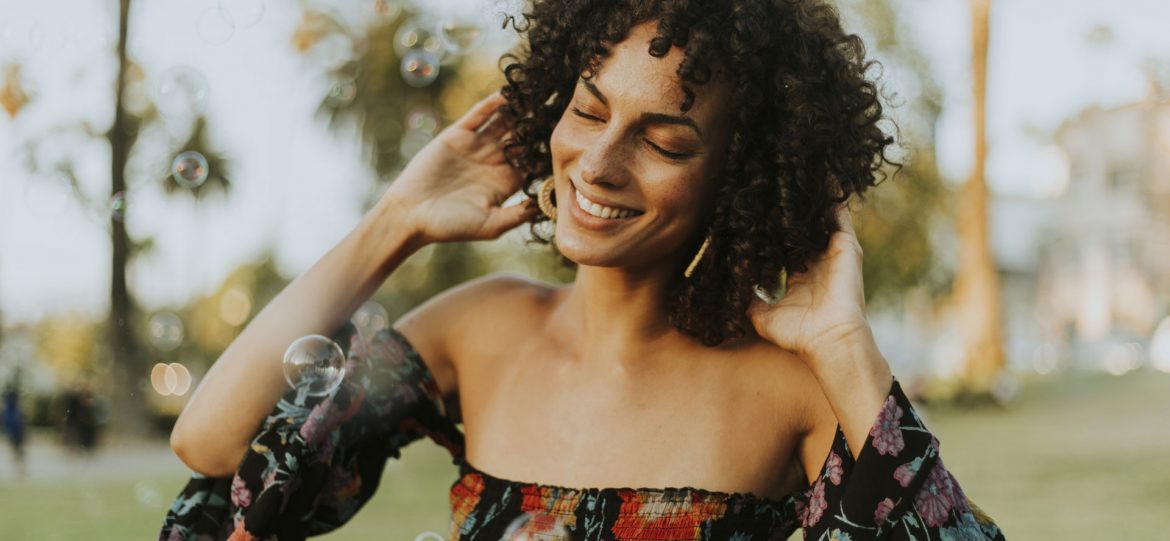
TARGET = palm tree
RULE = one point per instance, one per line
(977, 289)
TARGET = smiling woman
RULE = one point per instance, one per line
(699, 148)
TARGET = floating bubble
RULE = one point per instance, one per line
(117, 206)
(182, 90)
(242, 13)
(419, 68)
(413, 141)
(459, 34)
(536, 527)
(147, 494)
(423, 119)
(213, 27)
(429, 536)
(371, 318)
(387, 9)
(166, 330)
(189, 169)
(341, 93)
(314, 365)
(1005, 388)
(235, 306)
(170, 379)
(415, 35)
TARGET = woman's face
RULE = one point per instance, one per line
(634, 174)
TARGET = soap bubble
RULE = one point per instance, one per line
(423, 119)
(189, 169)
(416, 35)
(181, 90)
(214, 27)
(429, 536)
(314, 364)
(536, 527)
(459, 34)
(387, 9)
(420, 68)
(413, 141)
(341, 93)
(242, 13)
(371, 318)
(166, 330)
(118, 206)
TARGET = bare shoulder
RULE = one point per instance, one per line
(465, 317)
(798, 389)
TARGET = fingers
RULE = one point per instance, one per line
(502, 219)
(481, 112)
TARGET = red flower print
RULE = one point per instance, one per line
(936, 497)
(906, 472)
(883, 510)
(241, 496)
(816, 505)
(887, 431)
(833, 468)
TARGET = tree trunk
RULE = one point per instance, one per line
(127, 401)
(977, 281)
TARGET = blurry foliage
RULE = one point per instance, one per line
(66, 345)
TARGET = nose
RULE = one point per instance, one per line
(603, 161)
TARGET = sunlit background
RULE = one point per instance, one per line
(1031, 319)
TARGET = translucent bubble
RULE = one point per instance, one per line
(314, 365)
(371, 318)
(147, 494)
(423, 119)
(459, 34)
(536, 527)
(341, 93)
(166, 330)
(417, 35)
(118, 206)
(189, 169)
(387, 9)
(429, 536)
(213, 27)
(242, 13)
(413, 141)
(419, 68)
(182, 90)
(1005, 388)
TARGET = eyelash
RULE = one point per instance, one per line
(658, 149)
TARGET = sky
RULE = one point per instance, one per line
(298, 186)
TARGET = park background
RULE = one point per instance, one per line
(1017, 269)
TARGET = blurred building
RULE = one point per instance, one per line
(1101, 249)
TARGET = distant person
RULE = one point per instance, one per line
(14, 425)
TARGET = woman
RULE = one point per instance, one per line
(693, 151)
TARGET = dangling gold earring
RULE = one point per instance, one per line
(544, 200)
(699, 256)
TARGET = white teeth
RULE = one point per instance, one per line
(601, 211)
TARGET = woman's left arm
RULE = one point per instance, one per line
(883, 478)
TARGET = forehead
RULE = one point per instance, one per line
(629, 74)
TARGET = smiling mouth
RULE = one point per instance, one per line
(602, 211)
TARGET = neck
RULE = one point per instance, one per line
(616, 317)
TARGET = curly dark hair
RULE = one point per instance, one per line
(804, 138)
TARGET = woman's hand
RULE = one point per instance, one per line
(453, 188)
(823, 309)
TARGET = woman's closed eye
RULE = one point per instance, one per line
(671, 154)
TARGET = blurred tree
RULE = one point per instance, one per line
(395, 118)
(133, 113)
(977, 284)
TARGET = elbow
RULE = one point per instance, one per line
(200, 452)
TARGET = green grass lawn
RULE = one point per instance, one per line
(1075, 458)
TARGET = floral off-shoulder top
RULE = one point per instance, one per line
(317, 459)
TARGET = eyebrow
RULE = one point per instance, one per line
(654, 118)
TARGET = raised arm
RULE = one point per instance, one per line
(452, 190)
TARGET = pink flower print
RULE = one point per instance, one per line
(817, 504)
(833, 468)
(906, 472)
(241, 496)
(936, 497)
(883, 511)
(886, 431)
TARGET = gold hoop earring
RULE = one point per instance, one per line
(544, 200)
(699, 256)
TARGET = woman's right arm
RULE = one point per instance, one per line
(452, 190)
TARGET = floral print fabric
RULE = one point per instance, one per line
(317, 460)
